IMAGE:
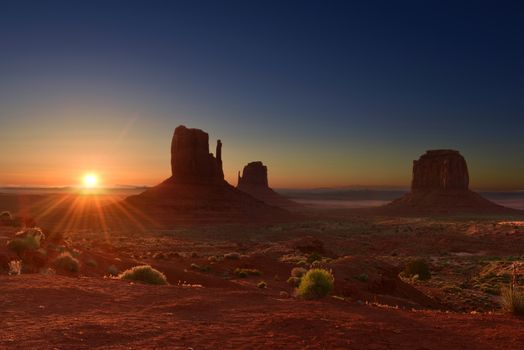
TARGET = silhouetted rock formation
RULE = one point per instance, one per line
(440, 185)
(254, 182)
(191, 162)
(197, 192)
(253, 175)
(440, 170)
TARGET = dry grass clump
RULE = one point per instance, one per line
(144, 274)
(513, 296)
(67, 262)
(15, 267)
(316, 284)
(513, 300)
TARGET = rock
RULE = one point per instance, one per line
(191, 161)
(197, 192)
(440, 170)
(253, 175)
(440, 185)
(255, 183)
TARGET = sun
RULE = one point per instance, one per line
(90, 180)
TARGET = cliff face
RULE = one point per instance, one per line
(191, 162)
(440, 170)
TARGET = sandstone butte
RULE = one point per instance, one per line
(196, 192)
(254, 181)
(440, 185)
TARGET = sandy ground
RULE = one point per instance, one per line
(211, 308)
(40, 312)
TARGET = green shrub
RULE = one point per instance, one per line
(314, 257)
(243, 273)
(27, 239)
(262, 285)
(298, 272)
(144, 274)
(419, 268)
(65, 261)
(513, 300)
(315, 284)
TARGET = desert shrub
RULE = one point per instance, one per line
(293, 281)
(419, 268)
(315, 284)
(243, 273)
(27, 239)
(298, 272)
(314, 257)
(232, 256)
(112, 270)
(6, 218)
(144, 274)
(262, 285)
(201, 268)
(67, 262)
(513, 300)
(91, 263)
(15, 267)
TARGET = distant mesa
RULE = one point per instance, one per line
(440, 185)
(254, 182)
(196, 192)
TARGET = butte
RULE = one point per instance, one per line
(196, 192)
(254, 182)
(440, 185)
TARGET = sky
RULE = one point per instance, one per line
(326, 93)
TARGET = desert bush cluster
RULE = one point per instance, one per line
(65, 261)
(316, 284)
(27, 239)
(144, 274)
